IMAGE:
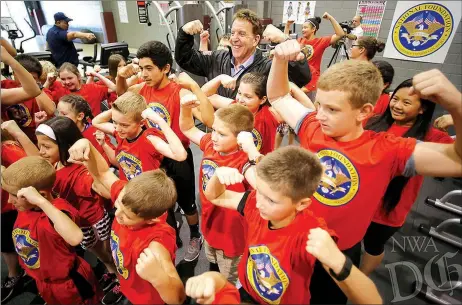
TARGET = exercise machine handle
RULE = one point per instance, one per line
(21, 50)
(430, 201)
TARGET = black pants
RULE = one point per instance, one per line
(323, 288)
(8, 219)
(376, 237)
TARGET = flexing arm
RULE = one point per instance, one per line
(339, 33)
(216, 191)
(14, 130)
(278, 87)
(29, 88)
(123, 74)
(155, 266)
(204, 287)
(433, 85)
(204, 43)
(301, 96)
(187, 126)
(101, 122)
(46, 104)
(107, 82)
(8, 47)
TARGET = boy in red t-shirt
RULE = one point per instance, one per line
(350, 190)
(278, 219)
(223, 230)
(45, 234)
(23, 112)
(387, 72)
(142, 243)
(163, 96)
(139, 148)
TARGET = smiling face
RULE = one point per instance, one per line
(70, 80)
(243, 41)
(308, 30)
(247, 97)
(126, 126)
(404, 107)
(48, 149)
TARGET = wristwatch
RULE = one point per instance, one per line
(256, 161)
(345, 272)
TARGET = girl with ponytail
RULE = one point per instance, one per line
(365, 48)
(407, 116)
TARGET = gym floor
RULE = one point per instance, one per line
(409, 254)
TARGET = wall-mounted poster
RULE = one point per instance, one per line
(372, 14)
(298, 11)
(423, 31)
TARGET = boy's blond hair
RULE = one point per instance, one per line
(29, 171)
(236, 117)
(150, 194)
(47, 67)
(293, 171)
(361, 80)
(130, 104)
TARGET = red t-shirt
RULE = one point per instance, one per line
(22, 113)
(397, 217)
(11, 152)
(276, 268)
(57, 91)
(227, 295)
(138, 155)
(264, 133)
(382, 103)
(126, 246)
(222, 228)
(318, 45)
(73, 183)
(356, 175)
(93, 93)
(111, 96)
(88, 133)
(166, 102)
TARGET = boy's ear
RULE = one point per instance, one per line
(166, 69)
(303, 204)
(365, 112)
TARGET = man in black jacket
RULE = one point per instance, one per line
(243, 57)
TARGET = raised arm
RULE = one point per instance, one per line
(45, 103)
(173, 149)
(186, 56)
(358, 288)
(339, 33)
(101, 122)
(216, 191)
(16, 132)
(204, 42)
(123, 74)
(278, 87)
(108, 83)
(187, 126)
(61, 222)
(29, 88)
(433, 85)
(8, 47)
(84, 152)
(155, 266)
(301, 96)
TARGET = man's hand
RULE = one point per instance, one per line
(228, 175)
(193, 27)
(273, 34)
(80, 151)
(100, 137)
(321, 245)
(31, 195)
(185, 81)
(289, 50)
(228, 81)
(205, 36)
(433, 85)
(189, 101)
(12, 128)
(443, 122)
(128, 71)
(89, 36)
(40, 117)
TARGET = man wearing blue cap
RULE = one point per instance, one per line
(60, 41)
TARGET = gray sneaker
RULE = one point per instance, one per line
(194, 248)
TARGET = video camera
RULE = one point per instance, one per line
(346, 26)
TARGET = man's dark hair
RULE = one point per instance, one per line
(30, 63)
(157, 52)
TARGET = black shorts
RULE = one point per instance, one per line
(376, 237)
(182, 174)
(8, 219)
(323, 288)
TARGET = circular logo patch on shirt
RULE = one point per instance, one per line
(340, 179)
(131, 165)
(265, 275)
(27, 248)
(118, 256)
(422, 29)
(257, 139)
(20, 114)
(208, 169)
(162, 112)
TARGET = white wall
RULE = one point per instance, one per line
(83, 13)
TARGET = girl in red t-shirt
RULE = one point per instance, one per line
(406, 116)
(318, 45)
(94, 94)
(77, 109)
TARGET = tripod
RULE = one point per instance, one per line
(340, 45)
